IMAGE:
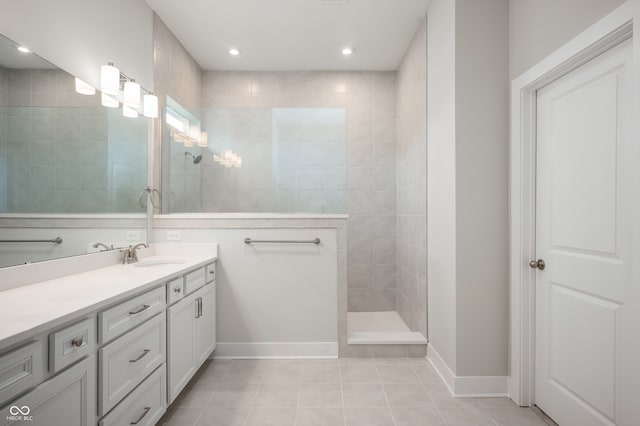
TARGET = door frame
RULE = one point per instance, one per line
(608, 32)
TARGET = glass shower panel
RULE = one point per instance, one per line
(292, 160)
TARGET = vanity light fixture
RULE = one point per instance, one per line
(110, 79)
(84, 88)
(150, 106)
(234, 51)
(347, 51)
(132, 94)
(23, 49)
(109, 102)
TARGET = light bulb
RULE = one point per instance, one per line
(131, 94)
(150, 106)
(84, 88)
(109, 102)
(129, 112)
(110, 79)
(347, 51)
(234, 51)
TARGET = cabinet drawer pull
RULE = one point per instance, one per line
(199, 306)
(140, 309)
(177, 290)
(77, 341)
(144, 413)
(142, 355)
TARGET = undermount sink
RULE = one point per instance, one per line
(158, 262)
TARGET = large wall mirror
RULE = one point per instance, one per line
(72, 171)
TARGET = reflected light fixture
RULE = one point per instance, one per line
(110, 79)
(204, 139)
(234, 51)
(347, 51)
(129, 112)
(23, 49)
(228, 159)
(150, 106)
(109, 101)
(84, 88)
(131, 94)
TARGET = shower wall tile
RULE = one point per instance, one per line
(411, 192)
(359, 181)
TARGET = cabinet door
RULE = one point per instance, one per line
(67, 399)
(205, 338)
(180, 362)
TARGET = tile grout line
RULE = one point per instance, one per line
(384, 392)
(255, 397)
(424, 386)
(344, 410)
(211, 396)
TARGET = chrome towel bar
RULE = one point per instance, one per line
(314, 241)
(56, 240)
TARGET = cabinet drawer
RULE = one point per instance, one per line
(144, 406)
(125, 362)
(210, 271)
(20, 369)
(123, 317)
(71, 344)
(194, 280)
(175, 290)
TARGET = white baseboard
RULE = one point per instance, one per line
(276, 350)
(467, 386)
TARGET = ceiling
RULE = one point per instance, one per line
(11, 58)
(293, 35)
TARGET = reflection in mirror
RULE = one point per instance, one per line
(62, 152)
(264, 160)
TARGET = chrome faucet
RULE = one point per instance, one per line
(130, 254)
(96, 245)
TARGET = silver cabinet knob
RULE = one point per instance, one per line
(537, 264)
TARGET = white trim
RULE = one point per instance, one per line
(249, 216)
(604, 34)
(72, 216)
(467, 386)
(276, 350)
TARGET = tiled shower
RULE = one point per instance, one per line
(330, 143)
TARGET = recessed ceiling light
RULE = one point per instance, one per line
(23, 49)
(347, 51)
(234, 51)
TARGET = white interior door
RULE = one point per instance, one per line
(583, 234)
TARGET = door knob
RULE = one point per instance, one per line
(537, 264)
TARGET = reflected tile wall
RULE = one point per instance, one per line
(370, 162)
(411, 181)
(67, 153)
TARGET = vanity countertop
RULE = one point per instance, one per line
(32, 309)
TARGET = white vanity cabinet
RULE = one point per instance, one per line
(191, 333)
(121, 363)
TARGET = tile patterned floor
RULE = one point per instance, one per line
(346, 392)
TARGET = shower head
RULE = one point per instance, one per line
(196, 158)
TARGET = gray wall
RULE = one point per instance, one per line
(411, 184)
(539, 27)
(369, 98)
(467, 184)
